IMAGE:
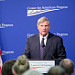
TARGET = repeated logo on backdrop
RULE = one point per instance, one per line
(31, 11)
(3, 25)
(59, 34)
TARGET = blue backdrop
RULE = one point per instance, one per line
(18, 20)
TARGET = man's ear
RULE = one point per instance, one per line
(49, 26)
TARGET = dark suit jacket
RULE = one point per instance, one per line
(54, 48)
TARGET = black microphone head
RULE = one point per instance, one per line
(43, 46)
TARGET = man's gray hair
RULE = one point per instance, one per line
(56, 70)
(42, 19)
(68, 65)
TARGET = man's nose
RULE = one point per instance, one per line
(44, 27)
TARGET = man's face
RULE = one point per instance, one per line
(44, 28)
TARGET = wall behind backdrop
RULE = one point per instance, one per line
(18, 20)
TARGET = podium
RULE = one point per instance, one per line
(42, 65)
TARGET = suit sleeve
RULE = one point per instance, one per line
(61, 53)
(27, 49)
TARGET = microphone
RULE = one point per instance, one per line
(53, 57)
(43, 46)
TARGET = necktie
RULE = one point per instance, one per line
(42, 48)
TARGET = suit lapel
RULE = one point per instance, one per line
(37, 43)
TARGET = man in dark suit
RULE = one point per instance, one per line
(49, 48)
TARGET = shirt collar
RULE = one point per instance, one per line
(45, 37)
